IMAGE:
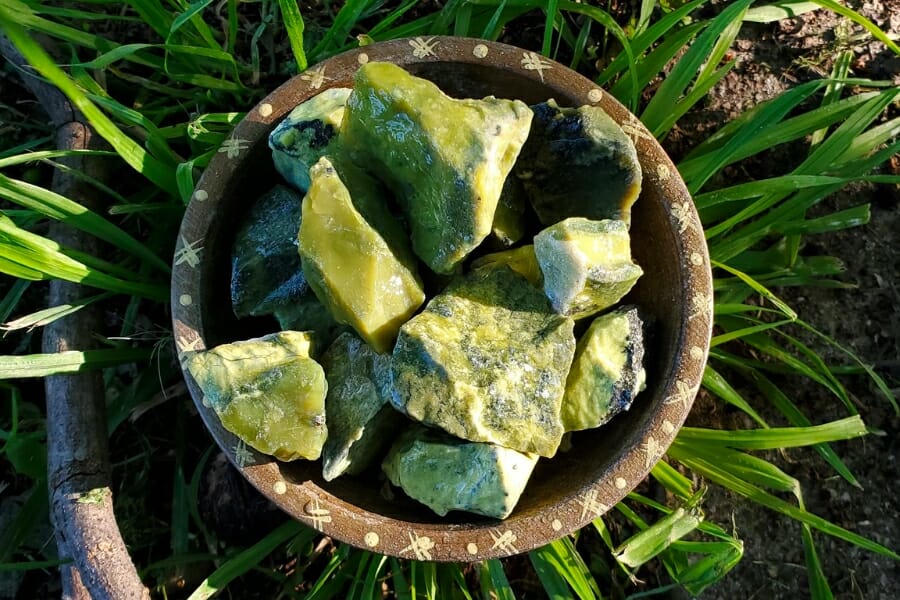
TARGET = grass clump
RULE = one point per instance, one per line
(160, 82)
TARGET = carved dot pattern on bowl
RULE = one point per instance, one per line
(421, 538)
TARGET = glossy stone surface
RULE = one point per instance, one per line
(267, 391)
(445, 159)
(578, 162)
(446, 473)
(266, 272)
(586, 264)
(361, 420)
(520, 260)
(355, 255)
(509, 218)
(486, 361)
(607, 372)
(309, 132)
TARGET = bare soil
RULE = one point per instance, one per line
(771, 59)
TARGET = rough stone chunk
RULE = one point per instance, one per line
(355, 255)
(445, 159)
(486, 361)
(308, 133)
(265, 269)
(268, 392)
(361, 420)
(578, 162)
(509, 219)
(446, 473)
(608, 370)
(266, 272)
(521, 260)
(586, 264)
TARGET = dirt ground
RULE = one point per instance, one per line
(772, 58)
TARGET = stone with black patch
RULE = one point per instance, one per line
(578, 162)
(607, 372)
(309, 132)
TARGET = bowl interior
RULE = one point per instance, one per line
(608, 461)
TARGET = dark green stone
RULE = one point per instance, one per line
(578, 162)
(446, 473)
(361, 420)
(266, 272)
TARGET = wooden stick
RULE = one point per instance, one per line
(78, 468)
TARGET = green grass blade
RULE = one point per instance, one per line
(49, 315)
(839, 71)
(777, 11)
(844, 219)
(857, 18)
(672, 480)
(818, 584)
(248, 559)
(12, 298)
(62, 209)
(737, 334)
(549, 572)
(551, 9)
(130, 151)
(37, 263)
(778, 437)
(661, 29)
(717, 474)
(676, 83)
(793, 414)
(494, 582)
(28, 157)
(293, 23)
(719, 386)
(604, 19)
(573, 569)
(653, 540)
(68, 362)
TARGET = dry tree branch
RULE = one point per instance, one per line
(78, 468)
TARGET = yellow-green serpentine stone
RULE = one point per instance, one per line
(486, 361)
(586, 264)
(355, 255)
(608, 370)
(268, 392)
(446, 160)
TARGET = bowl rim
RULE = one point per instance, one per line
(318, 508)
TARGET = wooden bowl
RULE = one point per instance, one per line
(564, 493)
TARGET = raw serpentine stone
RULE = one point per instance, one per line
(446, 160)
(486, 361)
(608, 370)
(578, 162)
(266, 272)
(509, 218)
(268, 392)
(520, 260)
(446, 473)
(309, 132)
(355, 255)
(361, 420)
(586, 264)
